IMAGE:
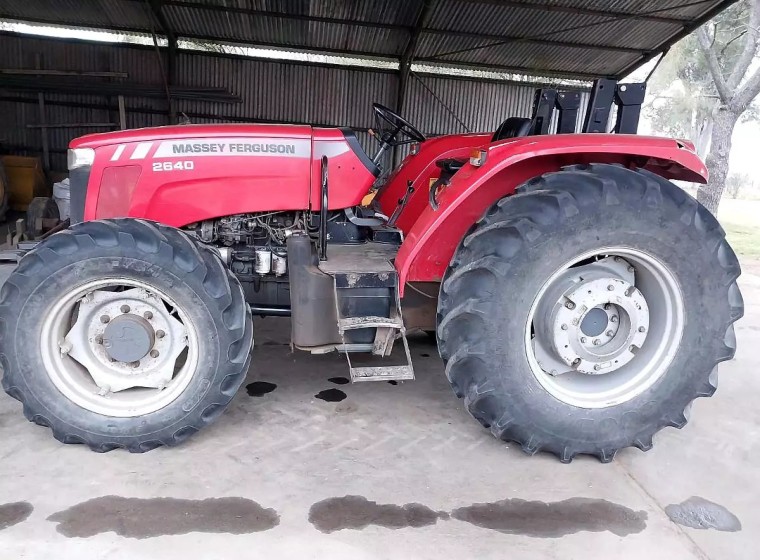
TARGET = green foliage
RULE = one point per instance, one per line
(735, 182)
(682, 91)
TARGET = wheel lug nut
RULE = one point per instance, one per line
(148, 315)
(607, 307)
(135, 364)
(570, 305)
(597, 367)
(98, 339)
(642, 329)
(613, 319)
(597, 342)
(610, 287)
(576, 361)
(104, 318)
(154, 353)
(610, 333)
(124, 309)
(160, 334)
(630, 269)
(564, 327)
(583, 339)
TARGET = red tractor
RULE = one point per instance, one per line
(581, 300)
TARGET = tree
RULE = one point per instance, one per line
(729, 46)
(735, 182)
(705, 85)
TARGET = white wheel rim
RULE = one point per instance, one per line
(622, 359)
(78, 366)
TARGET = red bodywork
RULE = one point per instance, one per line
(154, 173)
(145, 173)
(433, 235)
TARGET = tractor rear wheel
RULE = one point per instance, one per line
(587, 312)
(123, 334)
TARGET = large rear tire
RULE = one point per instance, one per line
(587, 312)
(123, 334)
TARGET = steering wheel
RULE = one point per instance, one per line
(398, 124)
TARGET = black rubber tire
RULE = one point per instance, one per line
(505, 258)
(40, 207)
(192, 275)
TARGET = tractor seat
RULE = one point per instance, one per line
(451, 165)
(513, 127)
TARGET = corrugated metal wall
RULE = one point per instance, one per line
(270, 91)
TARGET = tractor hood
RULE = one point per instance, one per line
(191, 131)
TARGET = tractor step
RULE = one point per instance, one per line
(353, 323)
(382, 373)
(366, 280)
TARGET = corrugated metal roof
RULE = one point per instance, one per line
(275, 91)
(569, 38)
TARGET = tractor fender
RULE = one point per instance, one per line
(430, 243)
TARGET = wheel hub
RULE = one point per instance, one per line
(594, 320)
(128, 338)
(125, 339)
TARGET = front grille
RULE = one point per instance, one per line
(78, 179)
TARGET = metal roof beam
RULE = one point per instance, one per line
(283, 15)
(503, 39)
(521, 4)
(166, 29)
(527, 5)
(414, 35)
(405, 62)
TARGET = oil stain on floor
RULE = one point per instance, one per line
(144, 518)
(357, 512)
(331, 395)
(260, 388)
(339, 380)
(553, 519)
(699, 513)
(14, 513)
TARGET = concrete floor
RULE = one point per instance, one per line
(286, 460)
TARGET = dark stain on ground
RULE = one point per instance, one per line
(339, 380)
(357, 512)
(425, 355)
(331, 395)
(138, 518)
(392, 382)
(260, 388)
(13, 513)
(553, 519)
(699, 513)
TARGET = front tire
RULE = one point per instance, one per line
(514, 316)
(123, 334)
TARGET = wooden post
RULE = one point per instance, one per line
(122, 114)
(43, 120)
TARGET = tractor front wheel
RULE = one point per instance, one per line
(587, 312)
(123, 334)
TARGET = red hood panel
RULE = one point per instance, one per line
(191, 131)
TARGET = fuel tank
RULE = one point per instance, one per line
(183, 174)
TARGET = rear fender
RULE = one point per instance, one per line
(430, 243)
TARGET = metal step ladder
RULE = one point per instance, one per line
(386, 329)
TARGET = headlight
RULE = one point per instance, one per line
(80, 157)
